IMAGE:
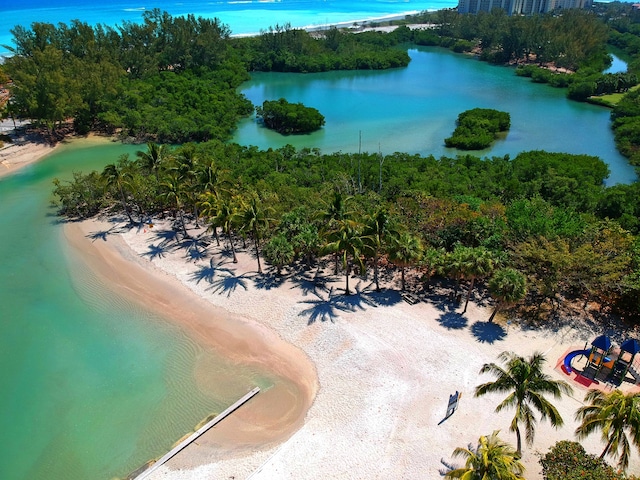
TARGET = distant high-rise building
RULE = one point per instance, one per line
(520, 7)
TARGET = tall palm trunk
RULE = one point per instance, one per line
(255, 242)
(348, 271)
(124, 203)
(233, 248)
(606, 449)
(497, 309)
(473, 279)
(518, 442)
(376, 275)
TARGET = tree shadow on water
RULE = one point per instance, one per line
(452, 321)
(488, 332)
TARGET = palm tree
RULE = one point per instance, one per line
(405, 252)
(454, 265)
(208, 202)
(347, 241)
(377, 230)
(116, 175)
(507, 286)
(526, 384)
(335, 211)
(492, 459)
(225, 216)
(173, 193)
(613, 414)
(479, 263)
(254, 218)
(153, 158)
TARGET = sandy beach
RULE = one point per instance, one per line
(366, 378)
(20, 153)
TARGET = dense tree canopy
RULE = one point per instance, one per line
(286, 118)
(477, 128)
(540, 214)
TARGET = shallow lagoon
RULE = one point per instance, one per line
(414, 109)
(93, 385)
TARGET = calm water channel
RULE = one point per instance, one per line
(92, 384)
(414, 109)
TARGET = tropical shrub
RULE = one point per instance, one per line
(569, 461)
(478, 128)
(287, 118)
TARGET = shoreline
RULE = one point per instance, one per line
(275, 414)
(19, 154)
(383, 369)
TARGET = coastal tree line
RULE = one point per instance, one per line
(542, 217)
(170, 79)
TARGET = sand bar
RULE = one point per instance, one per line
(385, 368)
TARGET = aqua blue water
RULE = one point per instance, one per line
(242, 16)
(414, 109)
(91, 384)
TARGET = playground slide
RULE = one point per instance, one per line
(570, 356)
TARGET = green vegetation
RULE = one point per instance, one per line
(612, 414)
(526, 384)
(568, 461)
(492, 458)
(478, 128)
(537, 228)
(283, 49)
(132, 80)
(287, 118)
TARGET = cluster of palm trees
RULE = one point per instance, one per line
(613, 414)
(190, 185)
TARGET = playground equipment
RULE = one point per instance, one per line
(628, 351)
(600, 348)
(612, 369)
(569, 358)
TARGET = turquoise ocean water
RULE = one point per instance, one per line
(242, 16)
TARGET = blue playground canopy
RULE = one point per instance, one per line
(603, 343)
(632, 346)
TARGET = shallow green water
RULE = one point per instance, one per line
(92, 384)
(414, 109)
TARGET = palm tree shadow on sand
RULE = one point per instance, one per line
(196, 249)
(328, 308)
(156, 251)
(268, 280)
(488, 332)
(228, 284)
(103, 234)
(310, 283)
(209, 272)
(452, 320)
(322, 309)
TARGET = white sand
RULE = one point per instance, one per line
(14, 156)
(385, 370)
